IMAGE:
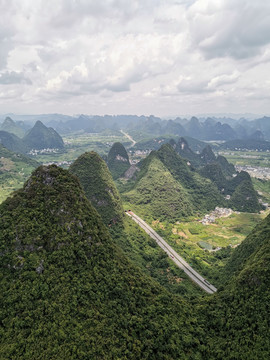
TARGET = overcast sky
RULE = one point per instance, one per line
(167, 57)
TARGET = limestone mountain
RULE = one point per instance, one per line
(42, 137)
(182, 148)
(167, 188)
(238, 315)
(207, 156)
(13, 142)
(68, 292)
(12, 127)
(245, 198)
(214, 173)
(118, 160)
(98, 185)
(228, 169)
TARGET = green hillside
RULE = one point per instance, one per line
(167, 188)
(214, 173)
(118, 160)
(159, 194)
(245, 198)
(67, 292)
(98, 185)
(238, 316)
(228, 169)
(42, 137)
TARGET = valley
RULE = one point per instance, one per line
(186, 203)
(134, 180)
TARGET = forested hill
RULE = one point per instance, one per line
(118, 160)
(99, 187)
(167, 188)
(237, 318)
(42, 137)
(67, 292)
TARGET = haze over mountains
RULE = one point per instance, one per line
(15, 137)
(204, 128)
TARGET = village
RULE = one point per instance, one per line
(258, 172)
(216, 214)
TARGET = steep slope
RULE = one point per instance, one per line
(167, 188)
(214, 173)
(204, 194)
(207, 156)
(245, 198)
(118, 160)
(68, 292)
(238, 316)
(42, 137)
(182, 148)
(99, 187)
(158, 193)
(13, 142)
(10, 126)
(228, 169)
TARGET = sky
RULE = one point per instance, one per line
(161, 57)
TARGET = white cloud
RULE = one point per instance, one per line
(142, 56)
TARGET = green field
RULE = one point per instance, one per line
(252, 158)
(197, 243)
(78, 143)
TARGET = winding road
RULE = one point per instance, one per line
(179, 261)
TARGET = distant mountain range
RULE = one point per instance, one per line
(169, 186)
(15, 137)
(208, 129)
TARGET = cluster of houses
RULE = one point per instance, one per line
(35, 152)
(217, 213)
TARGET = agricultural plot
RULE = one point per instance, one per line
(78, 143)
(207, 247)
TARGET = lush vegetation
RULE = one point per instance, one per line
(118, 160)
(237, 318)
(99, 187)
(167, 188)
(68, 292)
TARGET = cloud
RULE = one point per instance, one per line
(149, 55)
(12, 77)
(224, 79)
(238, 29)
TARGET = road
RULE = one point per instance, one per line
(129, 137)
(179, 261)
